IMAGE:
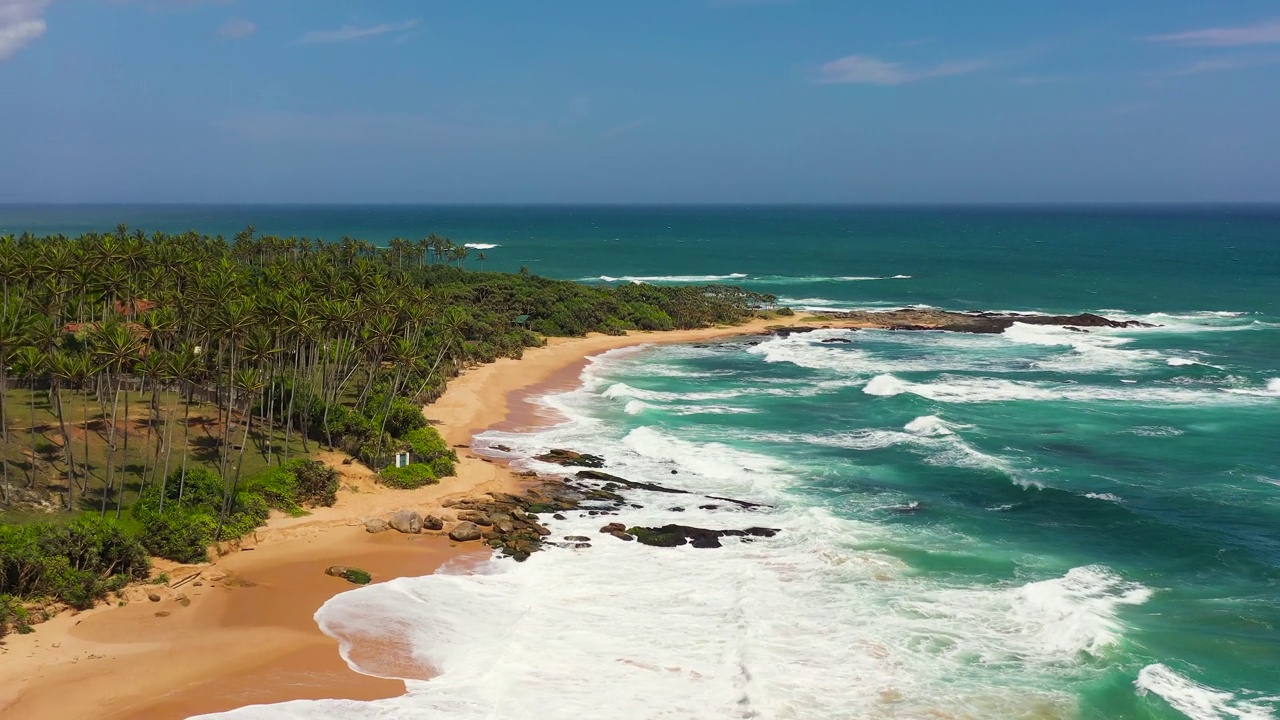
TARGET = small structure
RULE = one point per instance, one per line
(401, 459)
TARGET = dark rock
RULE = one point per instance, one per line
(597, 475)
(675, 472)
(569, 458)
(789, 331)
(153, 597)
(465, 532)
(623, 536)
(376, 525)
(577, 538)
(431, 522)
(708, 507)
(676, 509)
(914, 319)
(836, 340)
(406, 521)
(677, 535)
(558, 516)
(739, 503)
(501, 448)
(613, 528)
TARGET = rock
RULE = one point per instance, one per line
(153, 597)
(570, 458)
(623, 536)
(406, 521)
(163, 613)
(501, 448)
(784, 332)
(676, 509)
(577, 538)
(613, 528)
(677, 535)
(376, 525)
(451, 502)
(198, 584)
(350, 574)
(836, 340)
(431, 522)
(475, 516)
(675, 472)
(465, 531)
(558, 516)
(597, 475)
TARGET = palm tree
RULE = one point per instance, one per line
(63, 369)
(251, 382)
(31, 364)
(11, 326)
(118, 348)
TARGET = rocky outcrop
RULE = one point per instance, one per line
(569, 458)
(376, 525)
(789, 331)
(465, 532)
(406, 521)
(971, 322)
(677, 535)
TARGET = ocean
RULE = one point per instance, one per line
(1035, 524)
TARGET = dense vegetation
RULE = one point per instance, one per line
(275, 345)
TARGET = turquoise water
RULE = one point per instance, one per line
(1040, 523)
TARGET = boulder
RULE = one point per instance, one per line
(613, 528)
(350, 574)
(406, 521)
(431, 522)
(475, 516)
(465, 531)
(376, 525)
(570, 458)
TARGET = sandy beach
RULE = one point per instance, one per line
(241, 632)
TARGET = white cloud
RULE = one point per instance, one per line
(351, 32)
(625, 128)
(865, 70)
(236, 28)
(1260, 34)
(21, 21)
(1221, 65)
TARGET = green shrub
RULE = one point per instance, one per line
(429, 448)
(403, 417)
(78, 562)
(13, 615)
(181, 534)
(315, 484)
(409, 477)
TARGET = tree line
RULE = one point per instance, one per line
(279, 345)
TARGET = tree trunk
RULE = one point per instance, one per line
(66, 446)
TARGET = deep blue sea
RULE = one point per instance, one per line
(1036, 524)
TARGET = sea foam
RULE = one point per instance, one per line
(1196, 701)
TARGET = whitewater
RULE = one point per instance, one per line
(941, 499)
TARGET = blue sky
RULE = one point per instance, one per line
(655, 101)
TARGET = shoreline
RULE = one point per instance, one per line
(245, 635)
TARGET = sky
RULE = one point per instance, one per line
(653, 101)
